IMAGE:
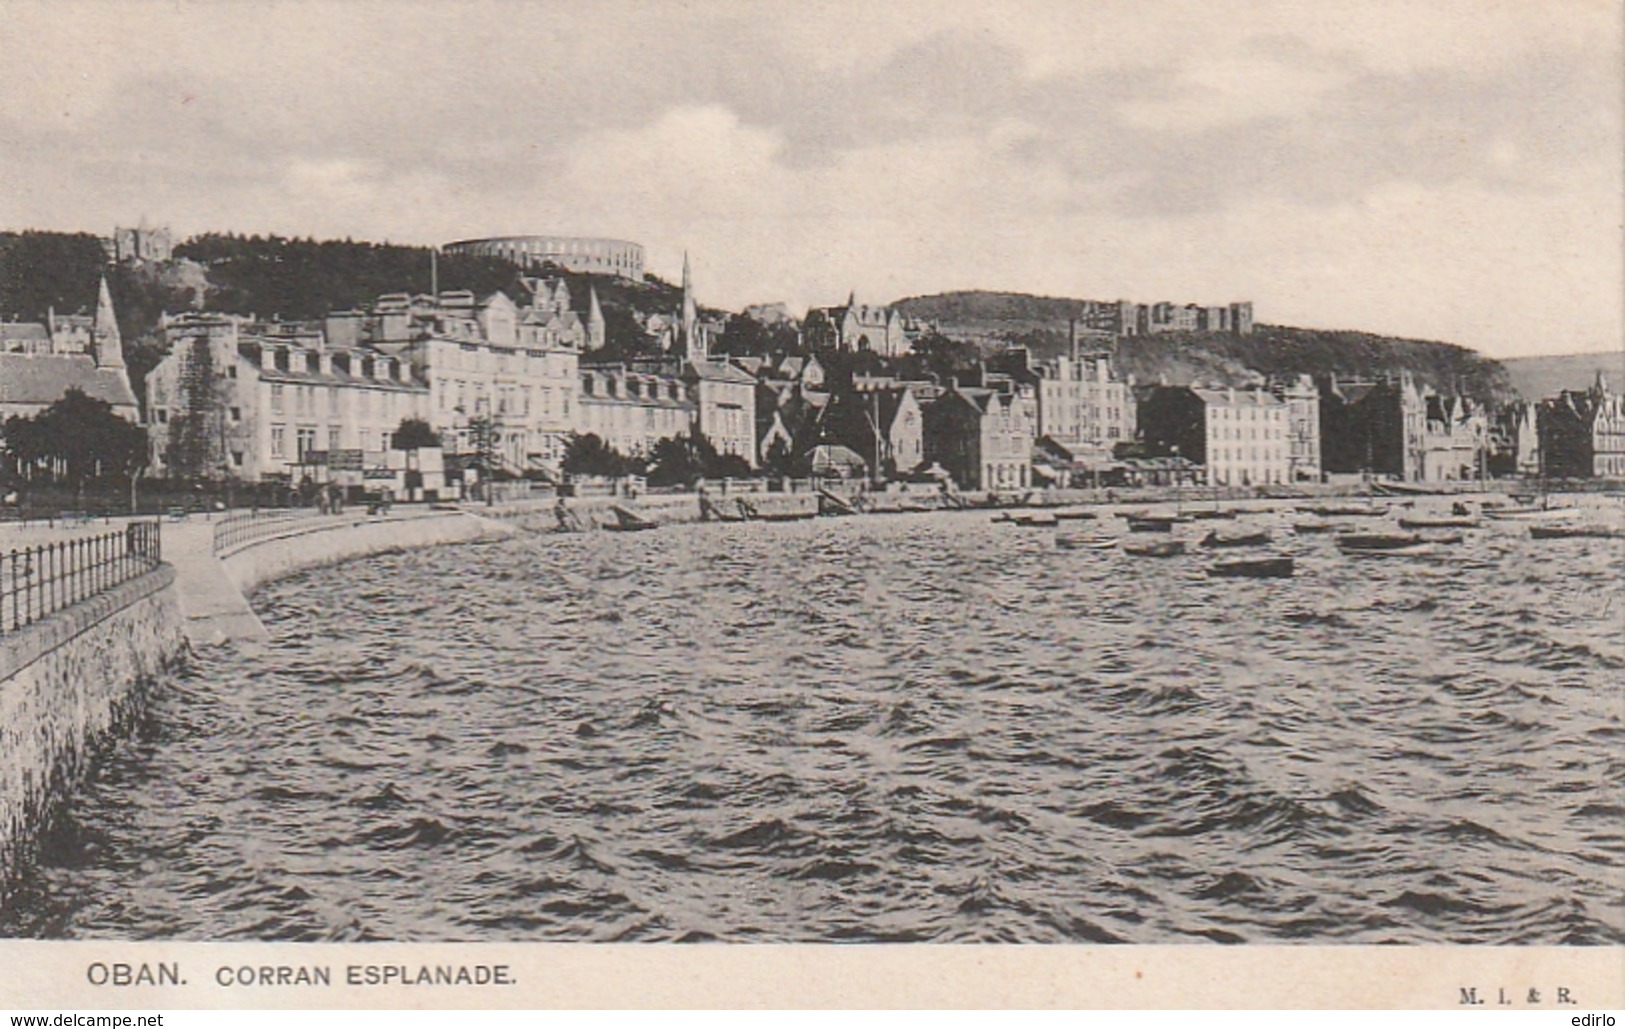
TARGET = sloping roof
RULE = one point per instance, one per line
(44, 379)
(719, 371)
(28, 331)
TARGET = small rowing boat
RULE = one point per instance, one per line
(1259, 568)
(1163, 548)
(1250, 539)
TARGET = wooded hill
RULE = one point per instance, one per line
(1040, 323)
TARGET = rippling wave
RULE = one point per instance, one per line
(913, 728)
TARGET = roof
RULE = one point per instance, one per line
(719, 371)
(31, 331)
(1238, 398)
(43, 379)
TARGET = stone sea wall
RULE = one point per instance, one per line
(68, 685)
(348, 537)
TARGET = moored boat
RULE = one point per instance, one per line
(1081, 541)
(1378, 541)
(1529, 514)
(1439, 522)
(1421, 548)
(1073, 514)
(1566, 532)
(1249, 539)
(1310, 528)
(1256, 568)
(1162, 548)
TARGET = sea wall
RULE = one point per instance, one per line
(68, 685)
(344, 537)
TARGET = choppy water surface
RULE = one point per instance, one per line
(892, 728)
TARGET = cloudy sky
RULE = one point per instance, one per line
(1448, 169)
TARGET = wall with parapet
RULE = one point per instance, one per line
(69, 684)
(341, 539)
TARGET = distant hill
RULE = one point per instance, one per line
(1537, 377)
(1040, 323)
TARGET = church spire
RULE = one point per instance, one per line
(109, 347)
(595, 320)
(692, 346)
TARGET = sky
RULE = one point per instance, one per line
(1442, 169)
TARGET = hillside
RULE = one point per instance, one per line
(1040, 323)
(276, 277)
(1537, 377)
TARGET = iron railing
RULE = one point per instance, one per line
(39, 581)
(248, 526)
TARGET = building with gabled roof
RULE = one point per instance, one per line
(1582, 433)
(983, 438)
(38, 368)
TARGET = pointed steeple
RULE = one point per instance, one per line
(693, 347)
(852, 299)
(595, 320)
(105, 339)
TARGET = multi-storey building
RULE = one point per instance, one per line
(1401, 429)
(632, 409)
(1582, 433)
(1515, 441)
(725, 406)
(883, 426)
(1127, 318)
(1082, 408)
(140, 244)
(855, 326)
(1303, 427)
(234, 399)
(1239, 437)
(982, 437)
(489, 361)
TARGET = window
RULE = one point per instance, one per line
(231, 371)
(276, 398)
(278, 443)
(236, 415)
(333, 438)
(332, 400)
(163, 416)
(237, 458)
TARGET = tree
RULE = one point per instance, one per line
(674, 461)
(414, 433)
(79, 437)
(588, 454)
(781, 462)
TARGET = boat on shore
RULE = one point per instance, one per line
(1256, 568)
(1162, 548)
(1027, 519)
(627, 520)
(832, 504)
(1343, 510)
(710, 511)
(1249, 539)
